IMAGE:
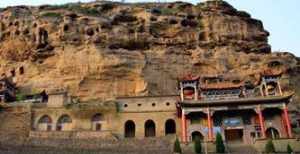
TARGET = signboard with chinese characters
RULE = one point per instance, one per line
(232, 122)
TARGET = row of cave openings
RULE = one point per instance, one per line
(149, 128)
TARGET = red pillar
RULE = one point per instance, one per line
(261, 122)
(183, 127)
(209, 124)
(287, 121)
(283, 124)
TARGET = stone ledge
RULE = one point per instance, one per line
(71, 134)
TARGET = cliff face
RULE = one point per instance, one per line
(104, 49)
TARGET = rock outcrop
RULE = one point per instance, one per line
(102, 50)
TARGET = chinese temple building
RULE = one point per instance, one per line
(239, 111)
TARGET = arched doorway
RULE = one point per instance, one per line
(129, 129)
(149, 128)
(44, 123)
(197, 135)
(170, 127)
(272, 133)
(64, 123)
(97, 120)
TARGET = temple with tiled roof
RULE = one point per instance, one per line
(239, 112)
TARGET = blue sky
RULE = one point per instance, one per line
(280, 17)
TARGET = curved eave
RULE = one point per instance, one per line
(239, 101)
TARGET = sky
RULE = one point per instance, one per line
(280, 17)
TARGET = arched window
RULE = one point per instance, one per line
(45, 119)
(149, 128)
(129, 129)
(44, 123)
(170, 127)
(272, 133)
(97, 120)
(63, 123)
(197, 135)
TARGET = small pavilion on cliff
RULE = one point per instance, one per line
(235, 109)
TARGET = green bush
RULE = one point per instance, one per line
(51, 15)
(54, 7)
(289, 149)
(20, 97)
(74, 7)
(168, 11)
(220, 147)
(197, 146)
(83, 10)
(177, 148)
(269, 148)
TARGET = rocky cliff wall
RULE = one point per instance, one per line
(103, 49)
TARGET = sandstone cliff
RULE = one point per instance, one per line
(104, 49)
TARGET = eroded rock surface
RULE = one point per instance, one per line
(103, 49)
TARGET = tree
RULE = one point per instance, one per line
(197, 146)
(220, 147)
(177, 148)
(289, 149)
(269, 148)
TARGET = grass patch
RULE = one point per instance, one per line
(164, 11)
(51, 15)
(54, 7)
(168, 11)
(83, 10)
(74, 7)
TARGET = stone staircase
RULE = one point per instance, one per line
(239, 148)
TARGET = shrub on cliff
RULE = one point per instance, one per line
(177, 148)
(220, 147)
(289, 149)
(197, 146)
(51, 15)
(20, 97)
(269, 148)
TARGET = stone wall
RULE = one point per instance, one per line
(140, 118)
(72, 134)
(100, 144)
(279, 144)
(81, 118)
(148, 104)
(15, 123)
